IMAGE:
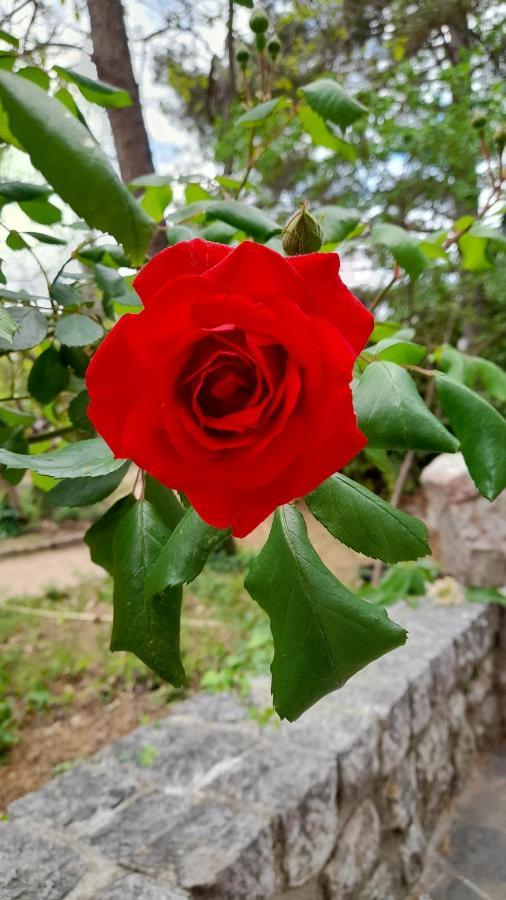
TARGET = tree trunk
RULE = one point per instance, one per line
(111, 56)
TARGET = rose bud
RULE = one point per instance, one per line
(259, 21)
(273, 46)
(242, 56)
(479, 119)
(302, 233)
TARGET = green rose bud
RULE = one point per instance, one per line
(301, 234)
(242, 55)
(500, 137)
(259, 21)
(273, 46)
(479, 119)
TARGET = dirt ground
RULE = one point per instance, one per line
(50, 742)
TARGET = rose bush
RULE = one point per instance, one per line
(233, 384)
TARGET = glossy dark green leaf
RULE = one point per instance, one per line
(46, 238)
(177, 233)
(258, 113)
(41, 211)
(396, 350)
(32, 328)
(86, 491)
(219, 232)
(321, 136)
(95, 91)
(155, 201)
(404, 247)
(481, 431)
(76, 330)
(184, 555)
(253, 221)
(8, 326)
(327, 98)
(15, 241)
(337, 222)
(85, 458)
(392, 414)
(61, 148)
(15, 191)
(148, 627)
(100, 536)
(64, 294)
(365, 522)
(38, 76)
(164, 502)
(77, 412)
(48, 376)
(14, 41)
(323, 634)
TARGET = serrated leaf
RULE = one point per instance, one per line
(86, 491)
(258, 113)
(76, 330)
(64, 294)
(99, 537)
(392, 414)
(321, 136)
(185, 553)
(337, 222)
(86, 180)
(366, 523)
(327, 98)
(396, 350)
(164, 502)
(404, 247)
(95, 91)
(84, 459)
(32, 328)
(481, 431)
(48, 376)
(77, 412)
(147, 627)
(322, 633)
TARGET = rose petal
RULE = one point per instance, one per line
(185, 258)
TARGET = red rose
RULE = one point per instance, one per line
(232, 385)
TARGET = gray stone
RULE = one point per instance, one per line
(468, 533)
(486, 720)
(205, 846)
(396, 737)
(462, 734)
(178, 753)
(136, 887)
(212, 708)
(412, 853)
(356, 854)
(482, 682)
(434, 768)
(301, 789)
(381, 886)
(400, 796)
(77, 795)
(36, 867)
(421, 699)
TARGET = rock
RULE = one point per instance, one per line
(434, 768)
(413, 853)
(301, 789)
(356, 854)
(381, 885)
(77, 795)
(468, 533)
(464, 740)
(212, 708)
(35, 867)
(210, 847)
(136, 887)
(400, 793)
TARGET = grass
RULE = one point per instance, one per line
(49, 666)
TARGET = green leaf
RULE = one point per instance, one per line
(147, 627)
(481, 431)
(365, 522)
(48, 376)
(194, 192)
(15, 191)
(99, 537)
(155, 201)
(321, 136)
(404, 247)
(64, 294)
(78, 412)
(474, 250)
(492, 234)
(185, 553)
(14, 41)
(395, 350)
(15, 242)
(62, 149)
(219, 232)
(66, 99)
(247, 3)
(164, 502)
(84, 459)
(76, 330)
(38, 76)
(329, 100)
(492, 377)
(485, 595)
(385, 330)
(177, 233)
(8, 326)
(46, 238)
(150, 180)
(323, 634)
(337, 222)
(95, 91)
(32, 328)
(392, 414)
(253, 221)
(41, 211)
(258, 114)
(86, 491)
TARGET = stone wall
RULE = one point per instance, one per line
(337, 806)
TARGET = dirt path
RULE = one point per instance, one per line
(33, 573)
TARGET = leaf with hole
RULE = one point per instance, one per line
(323, 634)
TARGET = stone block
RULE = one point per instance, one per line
(212, 708)
(208, 847)
(400, 796)
(434, 768)
(464, 741)
(396, 736)
(137, 887)
(36, 867)
(482, 681)
(356, 855)
(486, 720)
(301, 790)
(412, 853)
(76, 795)
(381, 886)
